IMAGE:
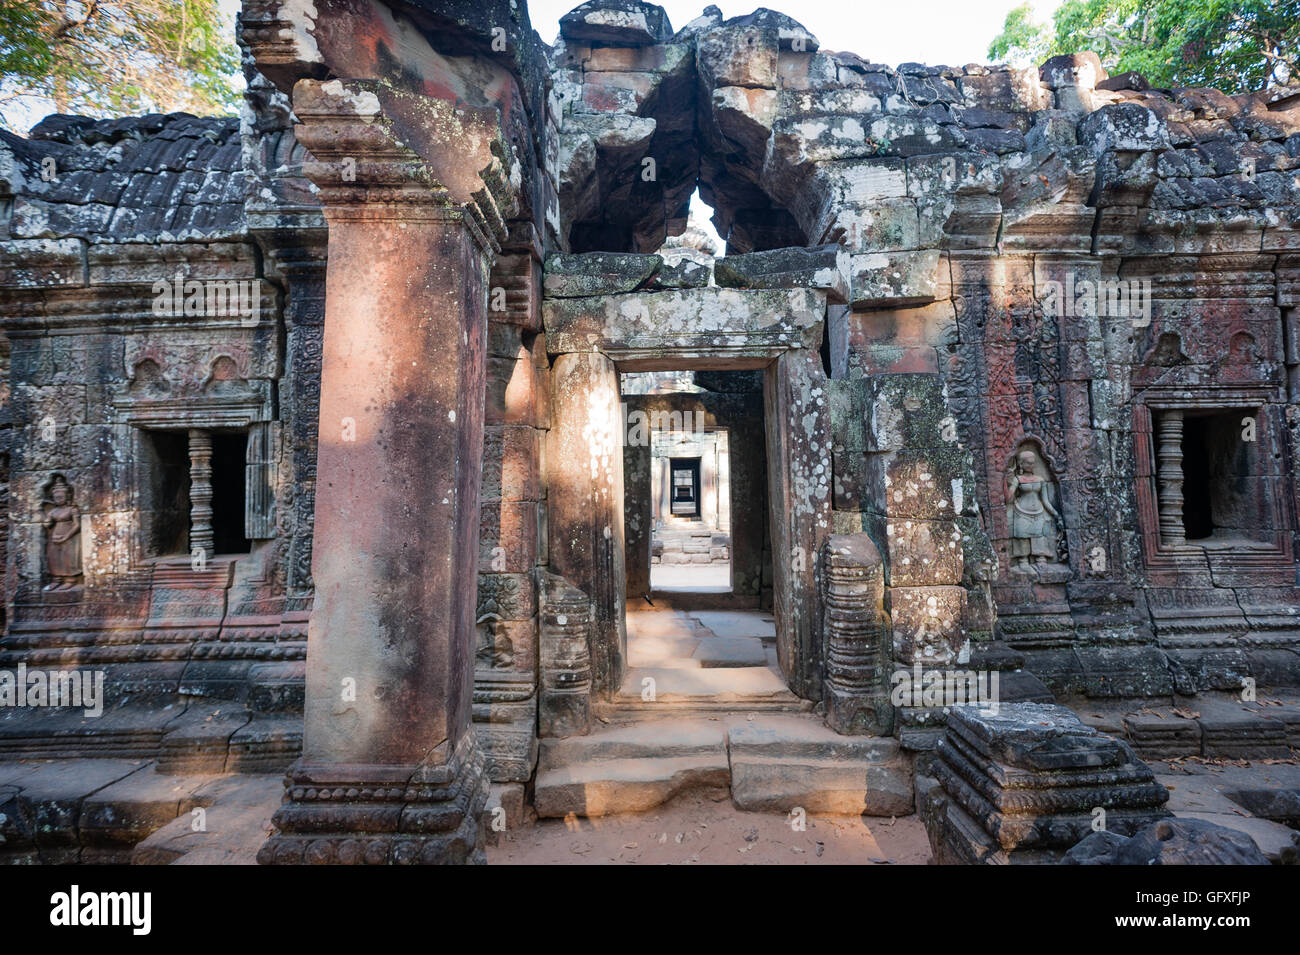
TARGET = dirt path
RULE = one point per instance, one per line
(697, 830)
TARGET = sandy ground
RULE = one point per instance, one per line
(697, 829)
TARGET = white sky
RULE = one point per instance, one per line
(949, 32)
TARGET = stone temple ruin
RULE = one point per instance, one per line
(315, 436)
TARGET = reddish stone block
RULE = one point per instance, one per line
(507, 537)
(511, 464)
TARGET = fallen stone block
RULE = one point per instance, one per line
(1169, 842)
(824, 267)
(1025, 784)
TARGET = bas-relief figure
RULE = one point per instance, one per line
(62, 521)
(1032, 516)
(494, 649)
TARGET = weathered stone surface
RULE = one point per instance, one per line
(625, 22)
(596, 273)
(1066, 290)
(1169, 842)
(779, 763)
(725, 322)
(730, 652)
(821, 268)
(631, 768)
(1025, 782)
(683, 268)
(897, 278)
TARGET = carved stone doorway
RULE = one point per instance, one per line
(774, 333)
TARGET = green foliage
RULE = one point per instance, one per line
(116, 57)
(1022, 41)
(1233, 45)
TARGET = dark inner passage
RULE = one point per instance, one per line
(1198, 520)
(228, 460)
(1222, 492)
(167, 508)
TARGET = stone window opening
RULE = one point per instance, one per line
(1209, 491)
(194, 493)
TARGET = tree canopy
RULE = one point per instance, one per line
(1232, 45)
(116, 57)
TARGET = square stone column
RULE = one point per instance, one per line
(584, 455)
(390, 771)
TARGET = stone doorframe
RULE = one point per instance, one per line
(592, 340)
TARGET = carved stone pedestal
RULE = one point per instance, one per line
(336, 814)
(1026, 782)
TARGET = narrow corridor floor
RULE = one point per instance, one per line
(681, 639)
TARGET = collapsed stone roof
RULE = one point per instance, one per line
(781, 136)
(154, 178)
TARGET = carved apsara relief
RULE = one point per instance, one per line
(1033, 510)
(62, 521)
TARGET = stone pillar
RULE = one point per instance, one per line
(564, 706)
(391, 771)
(724, 482)
(201, 537)
(799, 507)
(584, 456)
(1169, 456)
(709, 481)
(656, 489)
(857, 642)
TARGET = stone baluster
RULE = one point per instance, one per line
(857, 644)
(1169, 457)
(201, 535)
(564, 707)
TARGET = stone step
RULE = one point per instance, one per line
(608, 786)
(667, 737)
(236, 820)
(128, 732)
(89, 811)
(1210, 725)
(730, 652)
(742, 686)
(772, 762)
(638, 712)
(784, 763)
(198, 737)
